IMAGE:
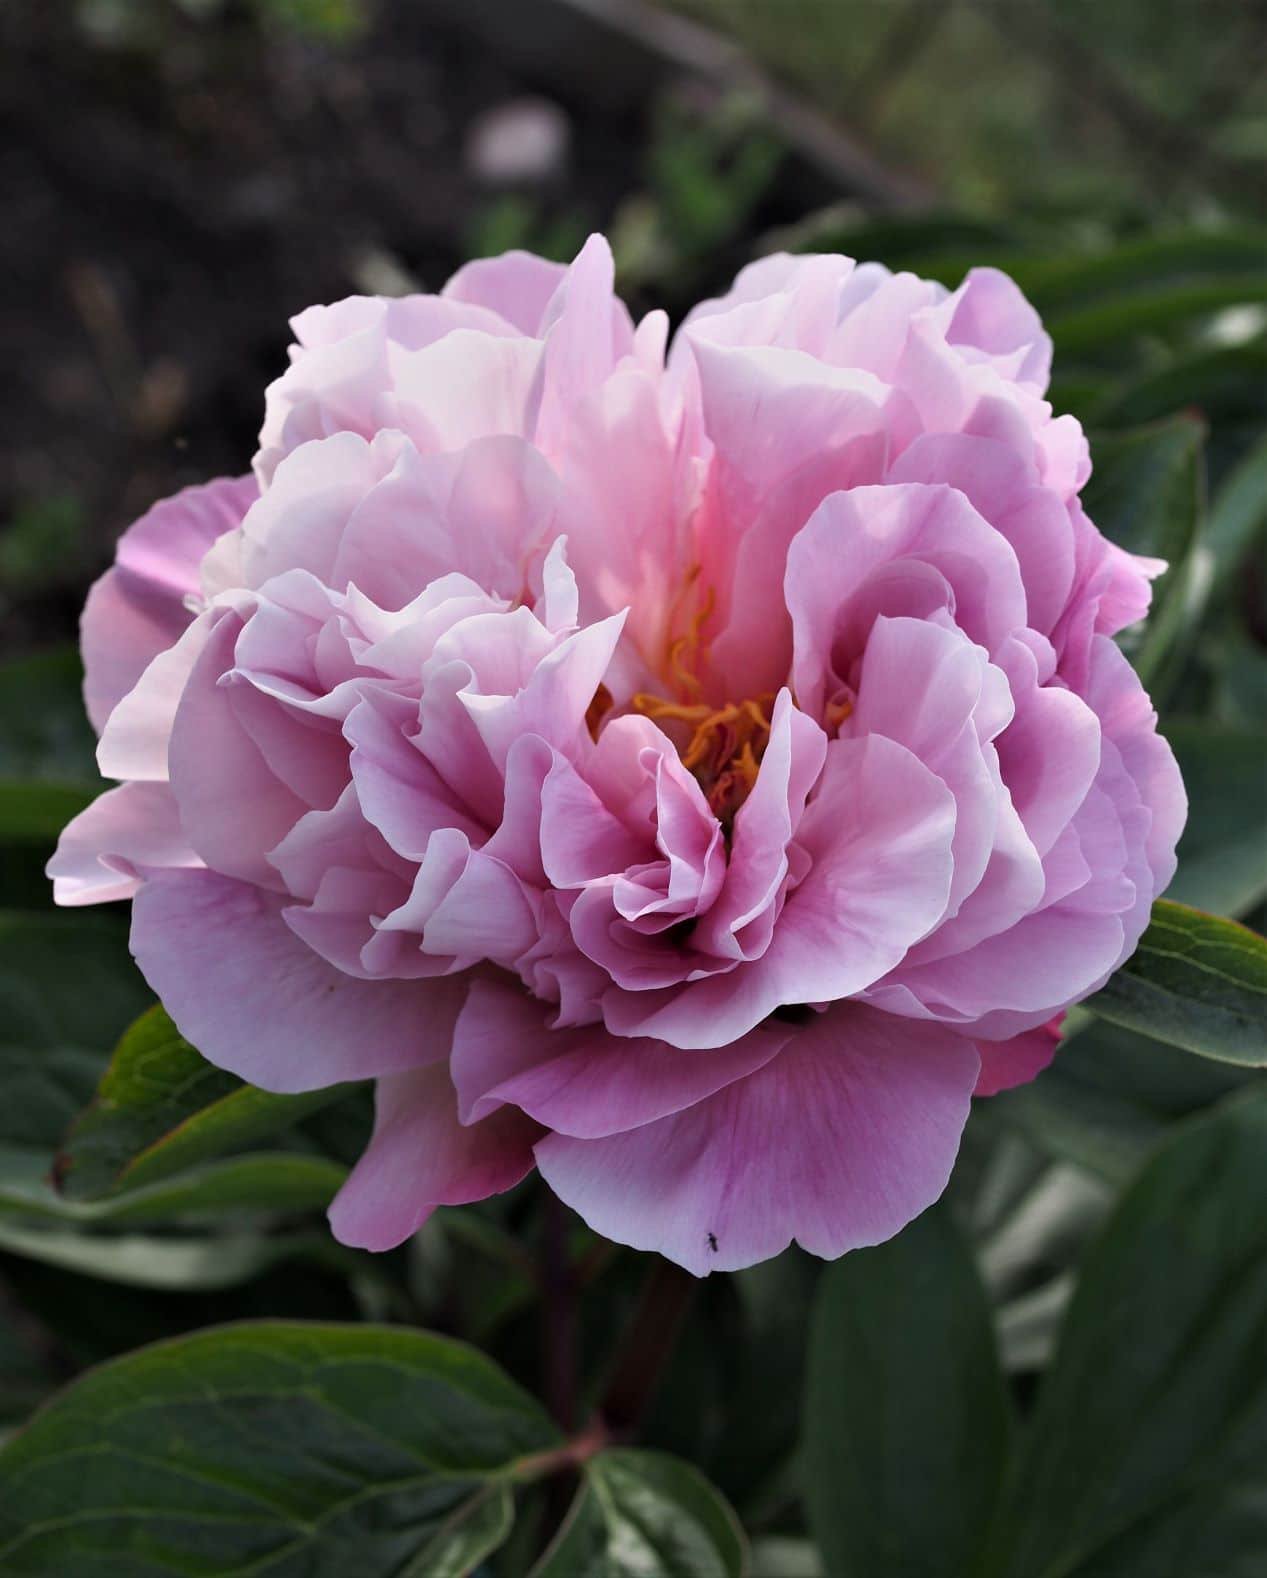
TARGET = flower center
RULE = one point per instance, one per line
(723, 748)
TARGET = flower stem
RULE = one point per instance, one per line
(646, 1347)
(559, 1334)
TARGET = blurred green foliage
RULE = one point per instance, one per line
(1143, 107)
(142, 24)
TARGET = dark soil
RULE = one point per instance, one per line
(166, 209)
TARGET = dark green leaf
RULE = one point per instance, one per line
(67, 989)
(173, 1262)
(645, 1515)
(34, 812)
(44, 730)
(1223, 853)
(1143, 484)
(1153, 261)
(261, 1182)
(473, 1530)
(162, 1108)
(1110, 1096)
(1220, 383)
(1107, 322)
(1238, 513)
(1195, 981)
(906, 1419)
(286, 1449)
(1241, 691)
(1148, 1452)
(1146, 494)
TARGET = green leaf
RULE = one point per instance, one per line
(906, 1419)
(1195, 981)
(1239, 511)
(1146, 494)
(1150, 309)
(162, 1108)
(279, 1448)
(1187, 256)
(34, 812)
(1142, 485)
(44, 730)
(1223, 853)
(473, 1530)
(1223, 382)
(173, 1262)
(263, 1182)
(1110, 1097)
(1148, 1451)
(645, 1515)
(67, 989)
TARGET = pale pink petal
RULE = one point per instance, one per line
(140, 605)
(234, 808)
(1128, 719)
(99, 854)
(487, 512)
(587, 331)
(137, 735)
(1050, 751)
(518, 286)
(299, 521)
(989, 319)
(1003, 489)
(257, 1001)
(466, 386)
(855, 538)
(627, 536)
(922, 685)
(740, 923)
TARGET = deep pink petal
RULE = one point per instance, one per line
(420, 1157)
(1005, 1064)
(876, 840)
(584, 1082)
(837, 1143)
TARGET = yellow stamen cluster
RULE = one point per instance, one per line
(725, 747)
(725, 744)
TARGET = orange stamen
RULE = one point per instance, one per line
(725, 747)
(837, 712)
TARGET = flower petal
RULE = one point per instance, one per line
(837, 1143)
(420, 1157)
(255, 999)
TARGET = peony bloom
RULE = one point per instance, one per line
(692, 774)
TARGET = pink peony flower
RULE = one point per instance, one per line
(692, 777)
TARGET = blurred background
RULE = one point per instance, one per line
(178, 177)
